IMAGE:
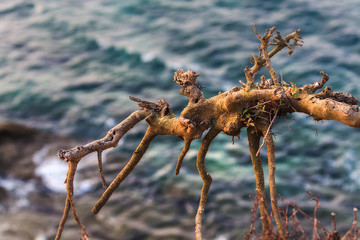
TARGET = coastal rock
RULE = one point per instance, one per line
(29, 208)
(18, 143)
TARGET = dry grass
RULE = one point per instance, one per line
(294, 227)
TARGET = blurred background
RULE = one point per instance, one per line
(68, 67)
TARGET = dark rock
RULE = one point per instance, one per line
(3, 194)
(18, 143)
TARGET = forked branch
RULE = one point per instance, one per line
(69, 203)
(136, 157)
(111, 139)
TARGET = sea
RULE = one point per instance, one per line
(68, 67)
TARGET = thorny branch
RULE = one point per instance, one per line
(251, 105)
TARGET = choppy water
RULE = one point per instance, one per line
(69, 67)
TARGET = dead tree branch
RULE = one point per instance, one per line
(253, 106)
(136, 157)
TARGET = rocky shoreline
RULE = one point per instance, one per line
(18, 144)
(29, 209)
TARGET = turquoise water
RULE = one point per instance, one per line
(69, 67)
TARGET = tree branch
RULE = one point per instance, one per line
(273, 194)
(69, 202)
(137, 155)
(111, 139)
(182, 155)
(254, 141)
(264, 48)
(267, 132)
(103, 181)
(63, 219)
(200, 163)
(328, 109)
(260, 61)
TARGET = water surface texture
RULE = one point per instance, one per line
(68, 67)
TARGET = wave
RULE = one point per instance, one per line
(19, 8)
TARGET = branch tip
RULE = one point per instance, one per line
(182, 155)
(161, 106)
(103, 181)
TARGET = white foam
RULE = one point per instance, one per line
(20, 189)
(50, 169)
(53, 173)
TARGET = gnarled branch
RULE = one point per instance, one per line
(252, 105)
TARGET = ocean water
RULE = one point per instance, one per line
(69, 66)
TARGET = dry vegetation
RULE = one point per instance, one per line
(293, 227)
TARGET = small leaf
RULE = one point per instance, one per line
(295, 95)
